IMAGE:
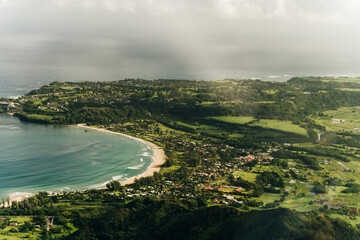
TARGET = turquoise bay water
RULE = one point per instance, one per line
(35, 157)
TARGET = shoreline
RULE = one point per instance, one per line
(159, 157)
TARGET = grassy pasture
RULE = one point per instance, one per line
(265, 102)
(354, 220)
(41, 117)
(248, 176)
(334, 79)
(301, 204)
(231, 119)
(236, 135)
(286, 126)
(5, 234)
(350, 89)
(350, 117)
(269, 197)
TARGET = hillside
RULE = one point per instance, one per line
(217, 222)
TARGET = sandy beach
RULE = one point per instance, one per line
(17, 198)
(159, 157)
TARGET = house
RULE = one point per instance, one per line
(13, 224)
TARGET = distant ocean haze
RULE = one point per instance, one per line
(36, 157)
(210, 40)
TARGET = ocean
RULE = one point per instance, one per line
(17, 80)
(37, 157)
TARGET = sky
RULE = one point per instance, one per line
(195, 39)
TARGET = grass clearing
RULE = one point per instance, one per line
(269, 197)
(301, 204)
(353, 220)
(345, 118)
(41, 117)
(236, 135)
(339, 79)
(206, 103)
(265, 102)
(169, 169)
(248, 176)
(286, 126)
(350, 89)
(232, 119)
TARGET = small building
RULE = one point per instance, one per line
(13, 224)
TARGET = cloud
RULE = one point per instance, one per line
(210, 38)
(318, 11)
(323, 11)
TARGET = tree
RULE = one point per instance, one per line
(27, 226)
(113, 186)
(319, 189)
(40, 219)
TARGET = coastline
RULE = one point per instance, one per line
(159, 157)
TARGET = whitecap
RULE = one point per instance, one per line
(64, 189)
(11, 127)
(145, 154)
(73, 149)
(136, 167)
(114, 178)
(102, 146)
(119, 177)
(97, 186)
(94, 163)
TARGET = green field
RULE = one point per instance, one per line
(251, 177)
(236, 135)
(333, 79)
(345, 118)
(6, 234)
(350, 89)
(286, 126)
(300, 204)
(269, 197)
(231, 119)
(354, 220)
(41, 117)
(265, 102)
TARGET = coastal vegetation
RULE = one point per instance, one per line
(245, 160)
